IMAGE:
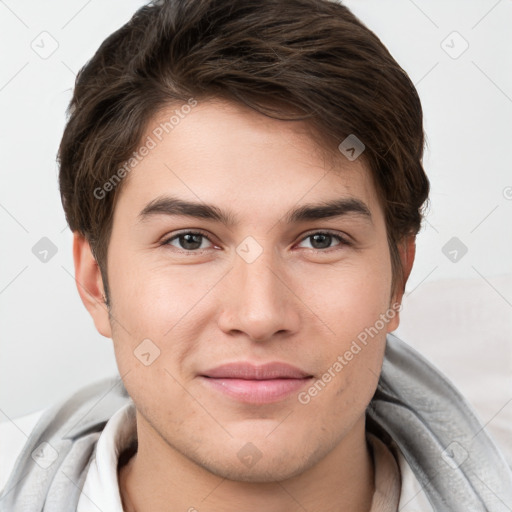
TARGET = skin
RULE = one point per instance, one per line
(299, 302)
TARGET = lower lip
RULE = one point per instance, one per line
(257, 391)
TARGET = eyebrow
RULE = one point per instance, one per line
(173, 206)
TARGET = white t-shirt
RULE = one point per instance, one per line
(101, 486)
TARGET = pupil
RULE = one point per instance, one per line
(324, 237)
(189, 240)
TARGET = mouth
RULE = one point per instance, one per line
(248, 383)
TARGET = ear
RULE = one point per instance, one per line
(407, 251)
(90, 284)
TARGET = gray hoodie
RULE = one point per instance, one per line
(415, 407)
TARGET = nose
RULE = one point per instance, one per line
(258, 301)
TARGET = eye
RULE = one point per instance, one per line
(322, 240)
(189, 241)
(192, 241)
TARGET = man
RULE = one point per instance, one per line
(245, 184)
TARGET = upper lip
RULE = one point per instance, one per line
(249, 371)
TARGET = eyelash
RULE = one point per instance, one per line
(343, 241)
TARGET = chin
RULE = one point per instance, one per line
(262, 469)
(259, 473)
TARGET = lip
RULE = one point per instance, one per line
(256, 384)
(249, 371)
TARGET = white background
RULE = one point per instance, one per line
(48, 344)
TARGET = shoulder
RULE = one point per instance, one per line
(71, 427)
(14, 433)
(434, 427)
(412, 493)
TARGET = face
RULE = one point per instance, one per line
(255, 285)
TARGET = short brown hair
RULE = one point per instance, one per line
(289, 59)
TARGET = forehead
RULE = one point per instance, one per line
(219, 152)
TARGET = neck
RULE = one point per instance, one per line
(342, 480)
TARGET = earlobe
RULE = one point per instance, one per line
(407, 252)
(90, 284)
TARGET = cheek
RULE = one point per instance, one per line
(360, 295)
(158, 314)
(359, 315)
(151, 299)
(352, 358)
